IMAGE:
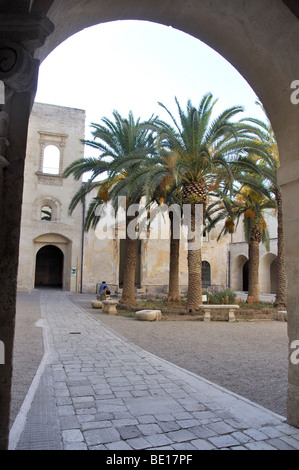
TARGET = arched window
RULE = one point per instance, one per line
(205, 236)
(48, 209)
(46, 213)
(51, 160)
(206, 274)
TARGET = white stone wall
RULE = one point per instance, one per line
(63, 126)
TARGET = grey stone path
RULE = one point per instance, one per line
(99, 391)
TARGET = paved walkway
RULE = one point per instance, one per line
(96, 390)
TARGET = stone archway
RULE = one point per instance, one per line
(206, 274)
(49, 267)
(267, 274)
(52, 254)
(245, 270)
(238, 270)
(260, 38)
(273, 277)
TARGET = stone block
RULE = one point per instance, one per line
(109, 306)
(282, 315)
(148, 315)
(96, 304)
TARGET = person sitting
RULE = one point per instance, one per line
(102, 287)
(103, 295)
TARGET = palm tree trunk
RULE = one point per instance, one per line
(128, 294)
(174, 285)
(194, 268)
(253, 271)
(280, 300)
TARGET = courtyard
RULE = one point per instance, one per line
(70, 379)
(243, 358)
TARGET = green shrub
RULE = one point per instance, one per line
(223, 297)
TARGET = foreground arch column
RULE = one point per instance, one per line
(18, 71)
(289, 180)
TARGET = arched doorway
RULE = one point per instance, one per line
(206, 274)
(268, 274)
(245, 276)
(273, 276)
(239, 273)
(49, 267)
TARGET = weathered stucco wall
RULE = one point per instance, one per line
(63, 127)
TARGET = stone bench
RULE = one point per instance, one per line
(109, 306)
(209, 307)
(96, 304)
(148, 315)
(282, 315)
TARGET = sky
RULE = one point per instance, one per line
(132, 65)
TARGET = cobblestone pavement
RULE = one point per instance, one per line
(249, 358)
(28, 348)
(96, 390)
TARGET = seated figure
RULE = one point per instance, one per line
(102, 287)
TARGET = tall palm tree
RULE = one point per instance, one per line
(252, 206)
(249, 205)
(156, 178)
(114, 140)
(265, 132)
(202, 149)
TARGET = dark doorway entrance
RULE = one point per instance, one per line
(206, 274)
(273, 276)
(49, 267)
(245, 276)
(122, 251)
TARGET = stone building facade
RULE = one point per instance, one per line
(53, 247)
(50, 244)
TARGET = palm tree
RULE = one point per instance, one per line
(156, 177)
(154, 180)
(202, 150)
(114, 140)
(250, 205)
(265, 132)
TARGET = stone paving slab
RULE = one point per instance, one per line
(100, 392)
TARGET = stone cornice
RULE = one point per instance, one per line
(30, 31)
(20, 35)
(18, 69)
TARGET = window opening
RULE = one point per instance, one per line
(51, 160)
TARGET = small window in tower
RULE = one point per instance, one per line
(46, 213)
(51, 160)
(205, 236)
